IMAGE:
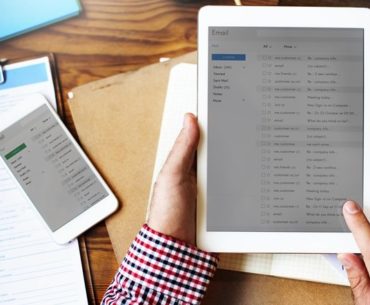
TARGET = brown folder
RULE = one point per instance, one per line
(118, 122)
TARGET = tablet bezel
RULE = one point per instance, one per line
(87, 218)
(297, 17)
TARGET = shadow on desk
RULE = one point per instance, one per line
(229, 287)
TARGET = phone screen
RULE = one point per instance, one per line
(49, 168)
(285, 128)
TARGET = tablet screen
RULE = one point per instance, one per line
(51, 171)
(285, 128)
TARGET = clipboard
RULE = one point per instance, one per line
(53, 68)
(61, 112)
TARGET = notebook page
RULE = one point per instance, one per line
(253, 263)
(180, 99)
(310, 267)
(336, 264)
(181, 96)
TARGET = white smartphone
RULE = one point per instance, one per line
(52, 170)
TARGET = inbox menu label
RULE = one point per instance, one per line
(285, 128)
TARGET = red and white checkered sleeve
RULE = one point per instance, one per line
(159, 269)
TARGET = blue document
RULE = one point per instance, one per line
(20, 16)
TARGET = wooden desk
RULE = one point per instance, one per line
(114, 36)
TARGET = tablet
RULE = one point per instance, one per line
(283, 106)
(51, 169)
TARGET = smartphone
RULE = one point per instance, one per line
(52, 170)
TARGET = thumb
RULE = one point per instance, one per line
(360, 227)
(358, 277)
(181, 157)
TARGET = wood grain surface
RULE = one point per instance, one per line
(114, 36)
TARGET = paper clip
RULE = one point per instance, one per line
(3, 61)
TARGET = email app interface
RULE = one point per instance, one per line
(285, 128)
(51, 171)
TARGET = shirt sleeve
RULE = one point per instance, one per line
(159, 269)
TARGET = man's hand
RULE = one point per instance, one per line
(172, 209)
(358, 268)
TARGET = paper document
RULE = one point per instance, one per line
(33, 268)
(182, 98)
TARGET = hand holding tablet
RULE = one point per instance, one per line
(282, 103)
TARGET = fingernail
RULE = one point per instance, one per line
(351, 207)
(345, 262)
(186, 121)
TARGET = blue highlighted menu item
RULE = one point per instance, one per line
(234, 57)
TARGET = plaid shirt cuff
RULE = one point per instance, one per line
(160, 269)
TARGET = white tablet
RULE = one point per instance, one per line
(283, 105)
(51, 169)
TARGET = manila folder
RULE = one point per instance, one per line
(118, 121)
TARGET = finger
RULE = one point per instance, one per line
(181, 157)
(360, 227)
(358, 276)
